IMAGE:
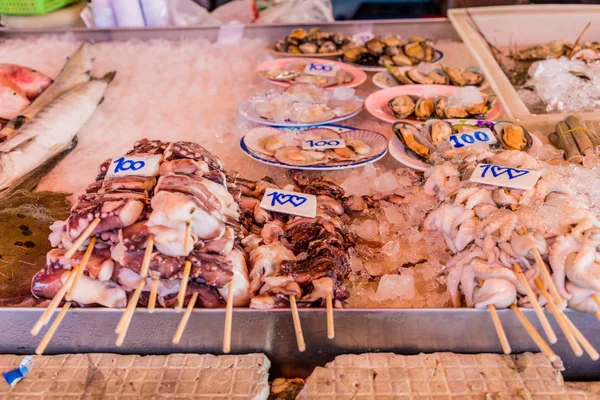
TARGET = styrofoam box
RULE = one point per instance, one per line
(523, 25)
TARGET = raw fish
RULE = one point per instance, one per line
(50, 132)
(77, 70)
(12, 99)
(30, 81)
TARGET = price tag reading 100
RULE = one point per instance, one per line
(465, 139)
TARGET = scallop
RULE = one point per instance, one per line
(413, 140)
(321, 81)
(513, 136)
(418, 77)
(402, 106)
(365, 144)
(438, 130)
(358, 146)
(313, 113)
(267, 140)
(425, 108)
(344, 153)
(318, 134)
(294, 155)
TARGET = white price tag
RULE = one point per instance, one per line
(362, 37)
(505, 176)
(231, 33)
(323, 144)
(466, 139)
(293, 203)
(132, 165)
(322, 69)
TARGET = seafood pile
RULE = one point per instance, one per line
(431, 142)
(313, 41)
(290, 147)
(187, 207)
(392, 51)
(294, 73)
(19, 86)
(490, 229)
(422, 108)
(423, 75)
(304, 257)
(49, 125)
(302, 104)
(588, 52)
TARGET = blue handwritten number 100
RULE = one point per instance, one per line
(321, 143)
(125, 165)
(320, 67)
(468, 139)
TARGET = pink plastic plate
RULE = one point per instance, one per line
(377, 103)
(281, 63)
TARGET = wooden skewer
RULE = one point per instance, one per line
(147, 257)
(152, 299)
(126, 317)
(538, 310)
(82, 265)
(499, 328)
(597, 300)
(560, 319)
(47, 315)
(535, 336)
(183, 288)
(48, 336)
(330, 325)
(546, 278)
(185, 318)
(297, 325)
(186, 240)
(228, 320)
(589, 349)
(82, 238)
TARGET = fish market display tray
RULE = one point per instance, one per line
(527, 25)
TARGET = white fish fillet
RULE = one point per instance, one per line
(76, 71)
(50, 132)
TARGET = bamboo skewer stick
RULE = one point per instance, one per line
(82, 238)
(147, 257)
(152, 299)
(228, 320)
(126, 317)
(47, 315)
(535, 336)
(185, 319)
(297, 325)
(538, 310)
(183, 288)
(330, 325)
(48, 336)
(499, 328)
(546, 278)
(560, 319)
(597, 300)
(589, 349)
(186, 240)
(82, 265)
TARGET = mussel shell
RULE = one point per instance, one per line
(414, 141)
(455, 75)
(441, 103)
(438, 131)
(415, 51)
(354, 54)
(424, 108)
(402, 60)
(385, 61)
(480, 110)
(418, 77)
(499, 131)
(439, 77)
(393, 41)
(473, 76)
(375, 46)
(399, 74)
(402, 106)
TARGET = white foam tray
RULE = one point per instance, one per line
(523, 25)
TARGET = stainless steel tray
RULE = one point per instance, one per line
(403, 331)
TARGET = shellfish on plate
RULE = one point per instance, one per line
(411, 75)
(292, 148)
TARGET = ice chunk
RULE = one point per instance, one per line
(391, 249)
(393, 286)
(426, 68)
(393, 215)
(465, 96)
(358, 185)
(370, 172)
(343, 93)
(367, 229)
(374, 268)
(386, 182)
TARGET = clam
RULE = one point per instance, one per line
(375, 46)
(425, 108)
(281, 45)
(354, 54)
(393, 51)
(327, 47)
(393, 41)
(399, 74)
(513, 136)
(294, 155)
(297, 35)
(385, 61)
(413, 140)
(472, 76)
(293, 49)
(338, 38)
(456, 112)
(402, 60)
(415, 51)
(308, 48)
(441, 103)
(438, 130)
(417, 77)
(267, 140)
(438, 76)
(402, 106)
